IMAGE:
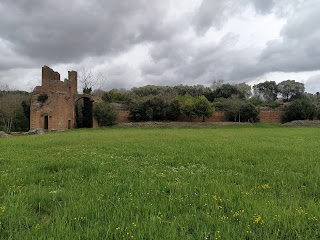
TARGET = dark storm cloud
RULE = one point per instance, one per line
(263, 6)
(179, 61)
(77, 32)
(60, 31)
(216, 13)
(297, 50)
(210, 14)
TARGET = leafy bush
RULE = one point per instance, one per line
(226, 91)
(249, 112)
(193, 107)
(86, 90)
(105, 113)
(204, 108)
(154, 109)
(300, 110)
(162, 109)
(157, 108)
(117, 96)
(240, 111)
(188, 107)
(42, 97)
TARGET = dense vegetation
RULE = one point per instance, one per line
(14, 111)
(240, 102)
(196, 183)
(105, 113)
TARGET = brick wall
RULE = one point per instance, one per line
(274, 116)
(123, 117)
(62, 96)
(265, 117)
(60, 105)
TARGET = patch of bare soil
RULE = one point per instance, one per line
(178, 124)
(303, 123)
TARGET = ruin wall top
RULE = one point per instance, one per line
(51, 82)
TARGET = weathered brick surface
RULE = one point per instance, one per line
(217, 117)
(60, 105)
(274, 116)
(63, 95)
(123, 117)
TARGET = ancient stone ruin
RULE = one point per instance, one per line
(54, 103)
(57, 106)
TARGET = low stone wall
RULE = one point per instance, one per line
(217, 117)
(123, 117)
(274, 116)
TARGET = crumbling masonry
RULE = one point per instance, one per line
(53, 103)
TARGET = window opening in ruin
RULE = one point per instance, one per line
(69, 124)
(46, 122)
(84, 115)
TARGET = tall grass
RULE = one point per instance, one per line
(151, 183)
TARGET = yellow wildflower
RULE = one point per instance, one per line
(2, 209)
(258, 219)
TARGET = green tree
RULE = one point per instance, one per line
(116, 95)
(216, 83)
(244, 90)
(317, 96)
(249, 112)
(226, 91)
(203, 108)
(232, 109)
(105, 113)
(174, 110)
(267, 91)
(12, 117)
(237, 110)
(188, 106)
(290, 89)
(301, 109)
(155, 108)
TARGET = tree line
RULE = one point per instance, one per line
(14, 110)
(240, 102)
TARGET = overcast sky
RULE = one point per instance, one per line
(161, 42)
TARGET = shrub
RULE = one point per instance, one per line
(300, 110)
(240, 111)
(105, 113)
(249, 112)
(158, 108)
(42, 97)
(204, 108)
(218, 106)
(154, 109)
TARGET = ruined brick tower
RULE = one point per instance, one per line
(53, 103)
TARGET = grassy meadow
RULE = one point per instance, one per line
(236, 182)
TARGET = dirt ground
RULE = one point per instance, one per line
(302, 123)
(178, 124)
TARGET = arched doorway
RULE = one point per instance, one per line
(84, 112)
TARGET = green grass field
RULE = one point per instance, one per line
(252, 182)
